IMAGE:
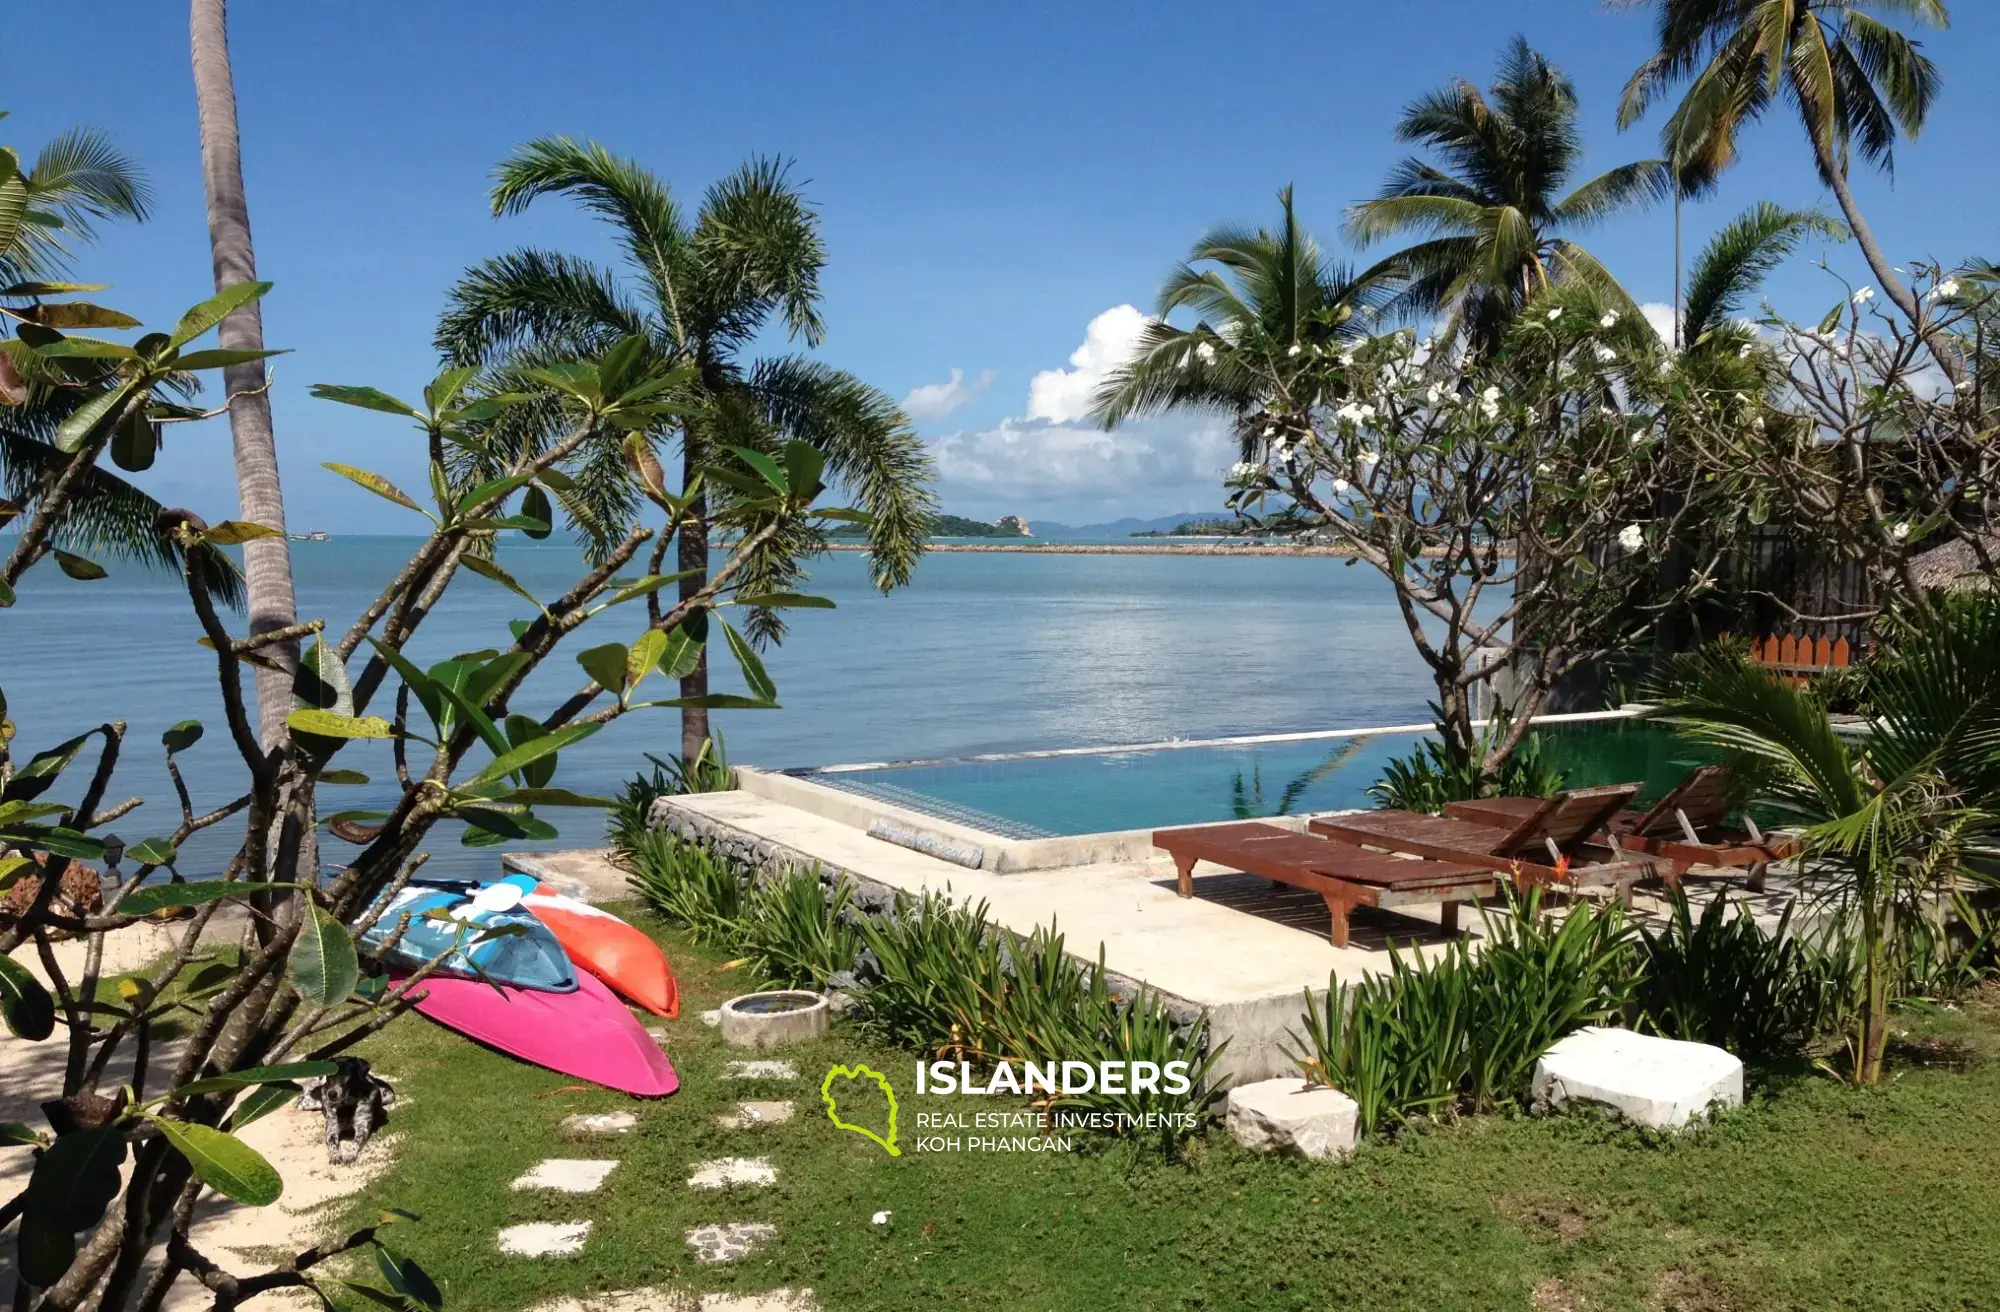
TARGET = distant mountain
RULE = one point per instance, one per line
(1122, 528)
(951, 526)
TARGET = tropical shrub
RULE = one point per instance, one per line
(1723, 979)
(1432, 775)
(799, 931)
(689, 883)
(1465, 1029)
(929, 967)
(708, 772)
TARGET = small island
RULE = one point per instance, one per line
(1199, 528)
(955, 526)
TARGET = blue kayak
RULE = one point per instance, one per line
(526, 956)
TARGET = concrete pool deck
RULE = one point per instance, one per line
(1241, 950)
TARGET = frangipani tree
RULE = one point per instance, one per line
(106, 1221)
(1517, 507)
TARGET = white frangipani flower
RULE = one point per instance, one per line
(1368, 459)
(881, 1218)
(1605, 355)
(1545, 469)
(1434, 395)
(1631, 537)
(1744, 353)
(1555, 314)
(1865, 295)
(1243, 469)
(1340, 486)
(1295, 349)
(1347, 357)
(1610, 320)
(1947, 288)
(1207, 353)
(1900, 533)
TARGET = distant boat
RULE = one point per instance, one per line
(317, 535)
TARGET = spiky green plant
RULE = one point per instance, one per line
(800, 931)
(689, 883)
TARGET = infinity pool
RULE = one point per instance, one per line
(1097, 792)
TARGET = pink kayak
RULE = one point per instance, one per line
(588, 1033)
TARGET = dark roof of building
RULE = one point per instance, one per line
(1955, 565)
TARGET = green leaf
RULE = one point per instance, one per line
(12, 813)
(475, 715)
(81, 314)
(552, 797)
(153, 852)
(342, 777)
(845, 514)
(681, 655)
(12, 867)
(535, 505)
(181, 736)
(331, 724)
(487, 569)
(134, 443)
(422, 685)
(1832, 319)
(13, 1134)
(85, 422)
(214, 310)
(75, 1180)
(804, 464)
(42, 770)
(320, 682)
(220, 359)
(261, 1102)
(408, 1279)
(234, 532)
(650, 584)
(754, 676)
(144, 901)
(645, 653)
(78, 567)
(502, 824)
(324, 966)
(606, 664)
(25, 1006)
(6, 593)
(225, 1163)
(255, 1075)
(715, 701)
(84, 348)
(46, 288)
(784, 601)
(58, 841)
(377, 484)
(531, 751)
(522, 729)
(496, 487)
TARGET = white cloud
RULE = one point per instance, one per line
(936, 400)
(1661, 316)
(1064, 395)
(1033, 459)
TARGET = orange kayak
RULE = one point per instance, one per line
(610, 949)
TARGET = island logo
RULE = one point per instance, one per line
(831, 1098)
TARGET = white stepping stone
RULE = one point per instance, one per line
(545, 1239)
(600, 1123)
(775, 1300)
(750, 1115)
(1291, 1116)
(658, 1033)
(567, 1175)
(728, 1241)
(712, 1018)
(760, 1070)
(1647, 1080)
(726, 1171)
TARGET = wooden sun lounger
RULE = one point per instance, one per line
(1547, 842)
(1687, 827)
(1344, 875)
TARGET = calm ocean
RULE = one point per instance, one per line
(985, 652)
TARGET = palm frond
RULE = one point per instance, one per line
(757, 247)
(869, 447)
(1636, 185)
(531, 297)
(640, 208)
(1740, 256)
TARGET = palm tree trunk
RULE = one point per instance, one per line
(1677, 266)
(1893, 285)
(267, 564)
(692, 554)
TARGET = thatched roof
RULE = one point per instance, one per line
(1954, 567)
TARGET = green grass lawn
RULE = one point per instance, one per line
(1813, 1196)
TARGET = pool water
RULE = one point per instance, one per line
(1098, 792)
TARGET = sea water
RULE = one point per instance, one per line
(983, 652)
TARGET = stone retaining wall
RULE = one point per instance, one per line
(767, 859)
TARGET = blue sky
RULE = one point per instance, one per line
(993, 179)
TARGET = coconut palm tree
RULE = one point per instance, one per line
(267, 562)
(48, 209)
(1496, 224)
(699, 290)
(1854, 81)
(1269, 307)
